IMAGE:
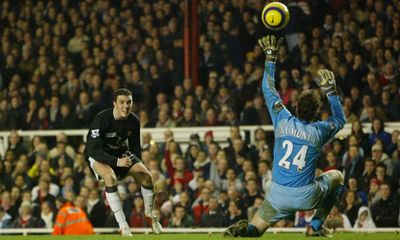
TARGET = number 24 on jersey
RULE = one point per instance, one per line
(298, 159)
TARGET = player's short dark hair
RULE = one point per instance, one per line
(122, 92)
(308, 104)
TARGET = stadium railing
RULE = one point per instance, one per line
(181, 135)
(27, 231)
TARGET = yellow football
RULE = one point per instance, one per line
(275, 16)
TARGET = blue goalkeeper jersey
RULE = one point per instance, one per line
(297, 143)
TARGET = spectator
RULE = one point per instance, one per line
(357, 130)
(378, 132)
(250, 194)
(361, 194)
(212, 218)
(188, 119)
(15, 145)
(184, 201)
(354, 164)
(200, 205)
(368, 174)
(67, 119)
(232, 215)
(96, 209)
(164, 120)
(393, 145)
(336, 219)
(54, 111)
(332, 161)
(211, 118)
(265, 172)
(7, 205)
(382, 158)
(25, 218)
(137, 218)
(386, 210)
(84, 110)
(350, 206)
(364, 219)
(180, 219)
(5, 178)
(43, 193)
(5, 218)
(176, 168)
(59, 150)
(47, 214)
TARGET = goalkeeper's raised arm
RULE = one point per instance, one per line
(326, 82)
(274, 103)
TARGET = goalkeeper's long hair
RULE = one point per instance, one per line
(308, 105)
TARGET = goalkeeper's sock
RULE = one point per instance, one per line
(316, 224)
(148, 198)
(252, 231)
(116, 206)
(326, 206)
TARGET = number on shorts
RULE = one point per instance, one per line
(298, 160)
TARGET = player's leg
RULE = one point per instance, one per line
(265, 216)
(333, 180)
(143, 177)
(110, 180)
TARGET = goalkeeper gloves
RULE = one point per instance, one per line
(326, 81)
(270, 47)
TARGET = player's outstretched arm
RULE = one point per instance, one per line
(326, 81)
(274, 103)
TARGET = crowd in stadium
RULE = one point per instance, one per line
(60, 62)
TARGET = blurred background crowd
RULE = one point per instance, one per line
(60, 62)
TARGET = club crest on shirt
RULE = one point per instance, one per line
(95, 133)
(332, 125)
(278, 106)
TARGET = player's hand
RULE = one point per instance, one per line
(270, 47)
(124, 162)
(131, 156)
(326, 81)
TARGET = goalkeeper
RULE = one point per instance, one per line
(113, 151)
(298, 141)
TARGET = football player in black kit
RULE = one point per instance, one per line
(113, 151)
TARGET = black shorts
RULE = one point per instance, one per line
(120, 172)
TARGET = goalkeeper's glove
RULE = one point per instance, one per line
(326, 81)
(270, 47)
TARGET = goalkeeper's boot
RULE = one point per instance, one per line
(155, 222)
(323, 232)
(237, 229)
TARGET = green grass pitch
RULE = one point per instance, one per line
(280, 236)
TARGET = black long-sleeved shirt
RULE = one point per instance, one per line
(385, 213)
(109, 138)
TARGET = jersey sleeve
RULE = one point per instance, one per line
(274, 103)
(95, 143)
(334, 123)
(134, 140)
